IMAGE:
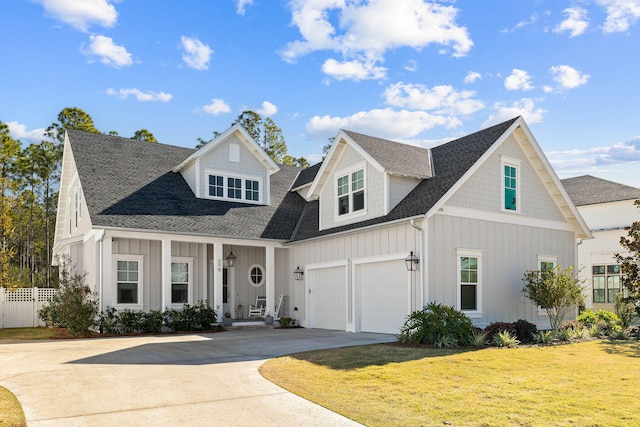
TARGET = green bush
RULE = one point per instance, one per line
(131, 321)
(191, 318)
(543, 337)
(625, 309)
(152, 321)
(493, 328)
(607, 321)
(439, 325)
(286, 322)
(478, 338)
(505, 339)
(74, 306)
(525, 331)
(109, 321)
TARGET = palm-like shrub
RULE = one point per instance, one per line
(438, 325)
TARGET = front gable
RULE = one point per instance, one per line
(232, 167)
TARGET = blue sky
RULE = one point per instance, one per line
(413, 71)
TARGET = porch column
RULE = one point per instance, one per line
(218, 256)
(270, 286)
(165, 265)
(204, 267)
(106, 272)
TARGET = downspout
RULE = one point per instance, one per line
(424, 291)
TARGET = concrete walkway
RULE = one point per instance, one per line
(168, 380)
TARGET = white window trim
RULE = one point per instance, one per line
(127, 257)
(189, 262)
(243, 177)
(261, 267)
(475, 253)
(541, 259)
(510, 161)
(347, 172)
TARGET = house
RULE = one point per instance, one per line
(607, 208)
(375, 231)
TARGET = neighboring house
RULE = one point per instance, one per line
(157, 226)
(607, 208)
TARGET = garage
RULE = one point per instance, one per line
(327, 296)
(384, 294)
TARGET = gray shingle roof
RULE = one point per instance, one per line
(306, 176)
(394, 156)
(129, 184)
(589, 190)
(450, 162)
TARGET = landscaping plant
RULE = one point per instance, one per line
(556, 291)
(438, 325)
(630, 263)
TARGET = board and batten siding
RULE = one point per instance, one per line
(374, 191)
(385, 240)
(483, 190)
(508, 250)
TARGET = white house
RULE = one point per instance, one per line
(607, 208)
(157, 226)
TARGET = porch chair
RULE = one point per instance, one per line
(258, 309)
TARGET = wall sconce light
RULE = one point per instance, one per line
(412, 262)
(231, 258)
(298, 273)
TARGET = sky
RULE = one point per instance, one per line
(412, 71)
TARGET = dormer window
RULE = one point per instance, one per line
(510, 184)
(236, 188)
(350, 189)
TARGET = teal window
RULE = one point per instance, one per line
(350, 190)
(510, 188)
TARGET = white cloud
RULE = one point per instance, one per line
(241, 4)
(411, 66)
(621, 14)
(518, 80)
(140, 96)
(110, 53)
(568, 77)
(217, 106)
(368, 29)
(525, 107)
(19, 132)
(385, 123)
(197, 54)
(268, 109)
(576, 22)
(471, 77)
(81, 14)
(353, 70)
(442, 99)
(619, 153)
(532, 20)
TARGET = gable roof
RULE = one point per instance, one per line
(244, 137)
(306, 176)
(130, 184)
(450, 162)
(590, 190)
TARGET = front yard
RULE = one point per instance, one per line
(591, 383)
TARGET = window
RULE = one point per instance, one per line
(181, 280)
(216, 186)
(350, 191)
(234, 188)
(510, 185)
(606, 282)
(128, 275)
(470, 281)
(256, 275)
(252, 190)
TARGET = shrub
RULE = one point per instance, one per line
(287, 322)
(625, 309)
(564, 334)
(505, 339)
(152, 321)
(131, 321)
(74, 306)
(478, 338)
(607, 321)
(525, 331)
(437, 324)
(191, 318)
(543, 337)
(493, 328)
(573, 324)
(109, 321)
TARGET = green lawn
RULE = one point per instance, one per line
(592, 383)
(11, 414)
(19, 334)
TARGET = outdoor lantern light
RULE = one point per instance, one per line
(231, 258)
(412, 262)
(298, 273)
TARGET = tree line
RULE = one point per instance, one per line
(29, 183)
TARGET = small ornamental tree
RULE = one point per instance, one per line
(556, 291)
(630, 262)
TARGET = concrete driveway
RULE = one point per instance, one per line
(167, 380)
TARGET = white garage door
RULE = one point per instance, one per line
(328, 297)
(384, 295)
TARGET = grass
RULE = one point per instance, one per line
(587, 384)
(19, 334)
(11, 414)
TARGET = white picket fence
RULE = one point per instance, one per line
(19, 307)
